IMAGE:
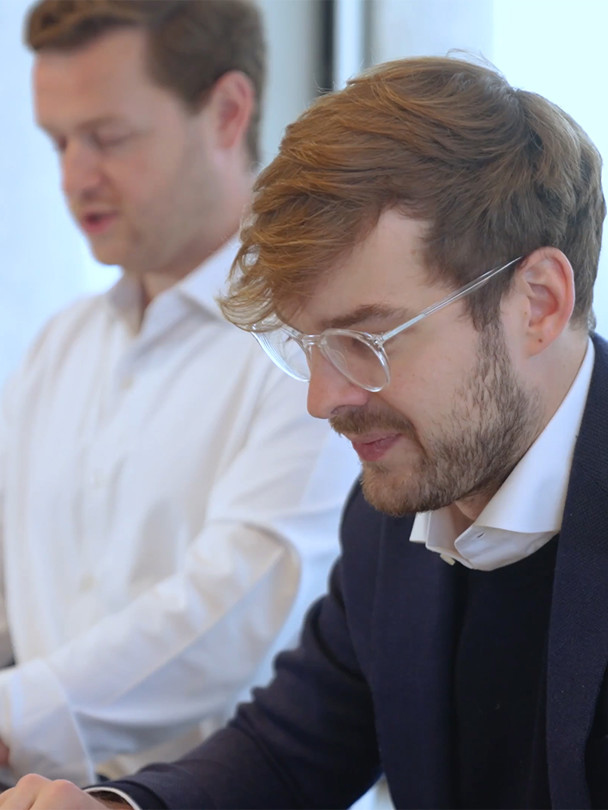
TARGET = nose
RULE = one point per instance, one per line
(80, 171)
(329, 390)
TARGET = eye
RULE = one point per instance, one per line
(110, 140)
(58, 144)
(348, 344)
(354, 345)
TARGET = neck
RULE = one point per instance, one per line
(466, 511)
(221, 226)
(154, 282)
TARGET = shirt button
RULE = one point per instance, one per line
(446, 558)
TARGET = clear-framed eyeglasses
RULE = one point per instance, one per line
(358, 356)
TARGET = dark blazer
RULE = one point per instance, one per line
(368, 689)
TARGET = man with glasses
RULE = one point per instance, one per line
(423, 252)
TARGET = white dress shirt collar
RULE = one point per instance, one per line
(208, 281)
(526, 512)
(202, 286)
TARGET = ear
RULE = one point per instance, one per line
(545, 279)
(231, 104)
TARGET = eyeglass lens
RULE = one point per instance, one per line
(349, 354)
(356, 359)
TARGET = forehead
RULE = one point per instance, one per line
(109, 72)
(383, 277)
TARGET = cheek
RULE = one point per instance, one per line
(429, 369)
(143, 170)
(408, 393)
(139, 187)
(425, 389)
(419, 370)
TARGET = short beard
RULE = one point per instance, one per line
(472, 449)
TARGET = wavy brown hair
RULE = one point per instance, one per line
(191, 43)
(496, 172)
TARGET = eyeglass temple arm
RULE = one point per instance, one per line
(468, 288)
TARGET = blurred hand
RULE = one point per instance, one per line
(36, 792)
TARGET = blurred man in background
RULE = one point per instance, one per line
(168, 506)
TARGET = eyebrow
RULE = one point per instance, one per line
(368, 312)
(92, 123)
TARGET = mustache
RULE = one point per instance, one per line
(358, 421)
(93, 198)
(79, 209)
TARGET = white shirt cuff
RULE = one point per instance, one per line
(97, 793)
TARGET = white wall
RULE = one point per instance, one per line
(292, 28)
(400, 28)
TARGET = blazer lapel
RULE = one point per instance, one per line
(413, 620)
(578, 634)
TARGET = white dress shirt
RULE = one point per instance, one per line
(168, 511)
(527, 510)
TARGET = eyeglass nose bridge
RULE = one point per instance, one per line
(309, 342)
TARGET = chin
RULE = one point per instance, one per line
(406, 493)
(111, 258)
(385, 492)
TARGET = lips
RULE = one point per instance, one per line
(96, 222)
(372, 447)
